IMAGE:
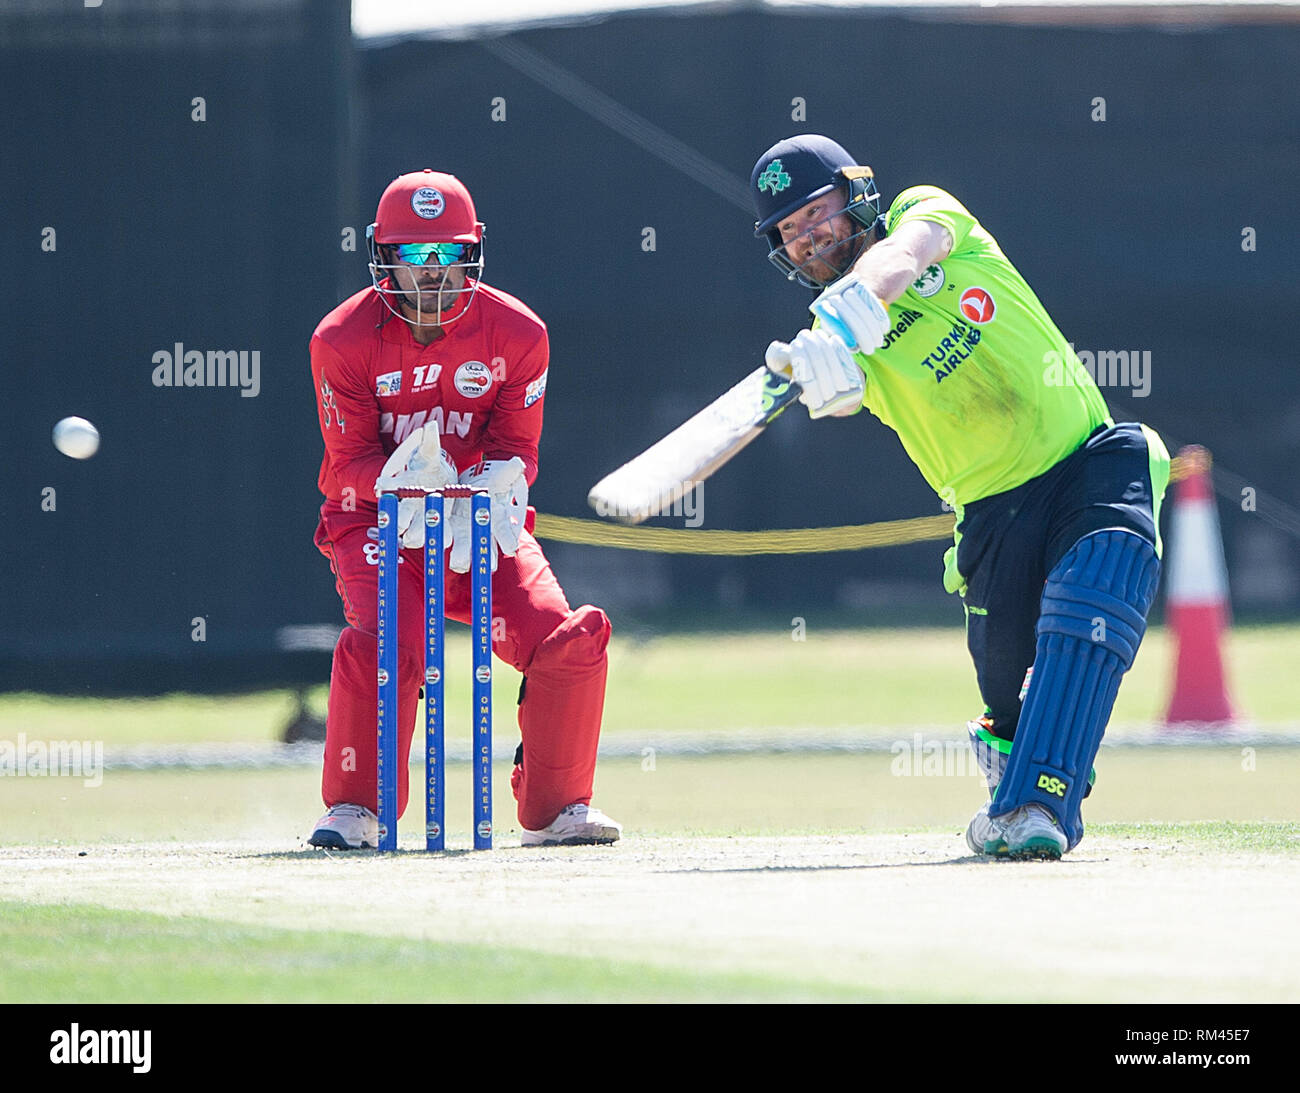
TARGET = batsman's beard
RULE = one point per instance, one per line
(829, 263)
(430, 303)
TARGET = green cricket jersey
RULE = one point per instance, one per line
(973, 376)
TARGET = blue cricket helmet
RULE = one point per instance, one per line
(798, 170)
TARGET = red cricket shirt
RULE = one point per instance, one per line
(483, 382)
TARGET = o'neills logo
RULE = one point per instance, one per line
(906, 318)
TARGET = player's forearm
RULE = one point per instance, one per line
(888, 270)
(894, 263)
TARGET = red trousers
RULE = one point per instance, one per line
(561, 653)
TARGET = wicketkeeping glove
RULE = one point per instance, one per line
(851, 310)
(504, 480)
(418, 463)
(822, 365)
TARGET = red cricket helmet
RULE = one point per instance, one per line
(426, 207)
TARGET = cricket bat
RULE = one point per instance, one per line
(671, 468)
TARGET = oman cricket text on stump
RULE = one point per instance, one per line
(434, 664)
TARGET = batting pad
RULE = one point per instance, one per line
(991, 753)
(1093, 616)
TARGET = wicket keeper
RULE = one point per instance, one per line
(428, 377)
(921, 318)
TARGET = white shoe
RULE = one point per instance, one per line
(1031, 831)
(575, 825)
(346, 827)
(983, 835)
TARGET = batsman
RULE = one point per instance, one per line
(922, 319)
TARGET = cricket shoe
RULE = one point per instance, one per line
(346, 827)
(1030, 831)
(576, 825)
(983, 835)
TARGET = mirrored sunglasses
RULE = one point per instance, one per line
(434, 254)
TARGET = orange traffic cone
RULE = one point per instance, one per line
(1196, 598)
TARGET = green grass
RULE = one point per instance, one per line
(698, 682)
(80, 953)
(1190, 815)
(719, 795)
(1218, 835)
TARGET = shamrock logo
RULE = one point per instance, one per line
(774, 179)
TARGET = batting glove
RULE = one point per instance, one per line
(822, 365)
(851, 310)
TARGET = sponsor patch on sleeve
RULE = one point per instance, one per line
(536, 389)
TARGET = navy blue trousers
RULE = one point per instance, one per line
(1008, 543)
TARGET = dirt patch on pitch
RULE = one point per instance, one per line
(908, 916)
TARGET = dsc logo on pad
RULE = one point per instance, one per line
(1054, 786)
